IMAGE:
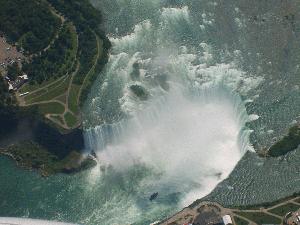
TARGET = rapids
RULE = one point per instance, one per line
(190, 90)
(189, 132)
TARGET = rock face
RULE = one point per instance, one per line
(139, 91)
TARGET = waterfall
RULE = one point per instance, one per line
(204, 129)
(185, 128)
(99, 137)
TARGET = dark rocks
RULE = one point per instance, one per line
(140, 92)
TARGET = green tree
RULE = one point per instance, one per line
(13, 71)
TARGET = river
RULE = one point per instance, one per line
(191, 89)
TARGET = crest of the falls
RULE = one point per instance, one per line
(185, 126)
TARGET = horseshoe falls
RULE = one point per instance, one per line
(169, 107)
(181, 100)
(191, 92)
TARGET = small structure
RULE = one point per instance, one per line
(227, 219)
(15, 85)
(10, 87)
(24, 77)
(23, 94)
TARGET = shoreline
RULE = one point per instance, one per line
(263, 211)
(72, 163)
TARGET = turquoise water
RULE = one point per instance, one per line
(75, 198)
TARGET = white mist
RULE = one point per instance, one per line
(192, 142)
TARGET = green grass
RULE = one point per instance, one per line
(240, 221)
(73, 98)
(52, 93)
(30, 96)
(51, 108)
(61, 98)
(31, 87)
(284, 209)
(70, 119)
(57, 118)
(265, 204)
(52, 84)
(259, 217)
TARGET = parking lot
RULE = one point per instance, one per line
(8, 54)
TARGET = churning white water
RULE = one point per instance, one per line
(193, 142)
(184, 127)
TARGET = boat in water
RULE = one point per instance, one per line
(153, 196)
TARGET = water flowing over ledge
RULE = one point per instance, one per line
(192, 140)
(185, 134)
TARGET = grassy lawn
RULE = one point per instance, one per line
(33, 95)
(32, 87)
(57, 118)
(284, 209)
(51, 108)
(240, 221)
(62, 98)
(70, 119)
(259, 217)
(51, 93)
(73, 96)
(52, 84)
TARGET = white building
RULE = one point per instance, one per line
(227, 219)
(24, 77)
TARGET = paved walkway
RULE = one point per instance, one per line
(188, 215)
(53, 117)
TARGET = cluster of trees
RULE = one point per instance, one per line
(55, 61)
(8, 113)
(56, 143)
(87, 20)
(13, 71)
(32, 24)
(80, 12)
(86, 54)
(99, 66)
(28, 22)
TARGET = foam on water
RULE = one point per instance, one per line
(190, 132)
(193, 142)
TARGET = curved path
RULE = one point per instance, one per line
(58, 99)
(189, 214)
